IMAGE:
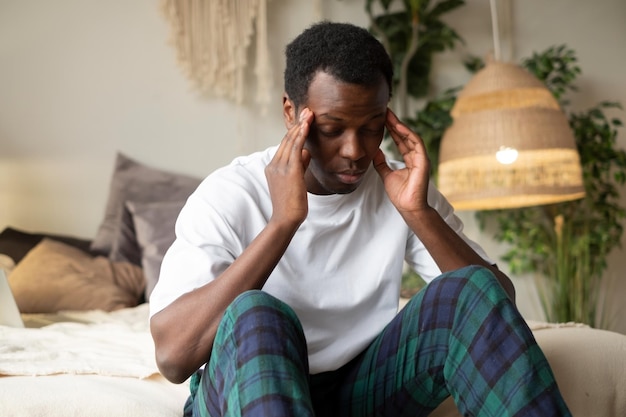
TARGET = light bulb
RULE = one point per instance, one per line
(506, 155)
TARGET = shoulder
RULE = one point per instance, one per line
(244, 174)
(232, 191)
(243, 167)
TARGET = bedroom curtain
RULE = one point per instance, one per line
(212, 37)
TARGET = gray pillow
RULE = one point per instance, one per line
(154, 224)
(133, 181)
(125, 247)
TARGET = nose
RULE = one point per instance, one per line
(351, 147)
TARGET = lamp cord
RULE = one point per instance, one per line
(496, 30)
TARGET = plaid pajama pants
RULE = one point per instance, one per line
(459, 336)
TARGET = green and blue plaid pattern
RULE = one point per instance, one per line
(460, 336)
(258, 365)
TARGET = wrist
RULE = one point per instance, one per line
(420, 215)
(283, 226)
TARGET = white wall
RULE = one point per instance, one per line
(80, 80)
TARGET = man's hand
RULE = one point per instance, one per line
(407, 188)
(285, 173)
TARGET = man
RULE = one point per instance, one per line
(283, 283)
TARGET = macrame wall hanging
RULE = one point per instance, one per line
(212, 37)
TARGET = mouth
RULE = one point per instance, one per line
(350, 177)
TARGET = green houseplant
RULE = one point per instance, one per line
(565, 245)
(412, 31)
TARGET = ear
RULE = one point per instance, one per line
(289, 112)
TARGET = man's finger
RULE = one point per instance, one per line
(405, 139)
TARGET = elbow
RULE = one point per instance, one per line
(169, 355)
(169, 367)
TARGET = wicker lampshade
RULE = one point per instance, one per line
(510, 145)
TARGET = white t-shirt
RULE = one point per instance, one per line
(341, 272)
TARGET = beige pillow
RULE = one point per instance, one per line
(54, 276)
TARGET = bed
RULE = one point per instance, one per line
(84, 363)
(87, 351)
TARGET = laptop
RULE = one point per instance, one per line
(9, 313)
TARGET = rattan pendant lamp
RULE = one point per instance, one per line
(509, 145)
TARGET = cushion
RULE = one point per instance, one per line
(125, 247)
(154, 225)
(133, 181)
(588, 365)
(6, 263)
(54, 276)
(16, 243)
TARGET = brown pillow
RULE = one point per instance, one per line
(54, 276)
(17, 243)
(134, 181)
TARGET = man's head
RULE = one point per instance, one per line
(347, 52)
(343, 75)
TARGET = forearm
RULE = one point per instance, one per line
(447, 248)
(184, 331)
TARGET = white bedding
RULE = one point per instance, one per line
(112, 344)
(104, 366)
(90, 396)
(100, 364)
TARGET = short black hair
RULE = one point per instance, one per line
(348, 52)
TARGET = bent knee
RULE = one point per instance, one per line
(256, 298)
(258, 305)
(480, 276)
(260, 319)
(476, 279)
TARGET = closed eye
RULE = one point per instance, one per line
(330, 133)
(374, 131)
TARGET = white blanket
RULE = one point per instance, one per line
(105, 367)
(111, 344)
